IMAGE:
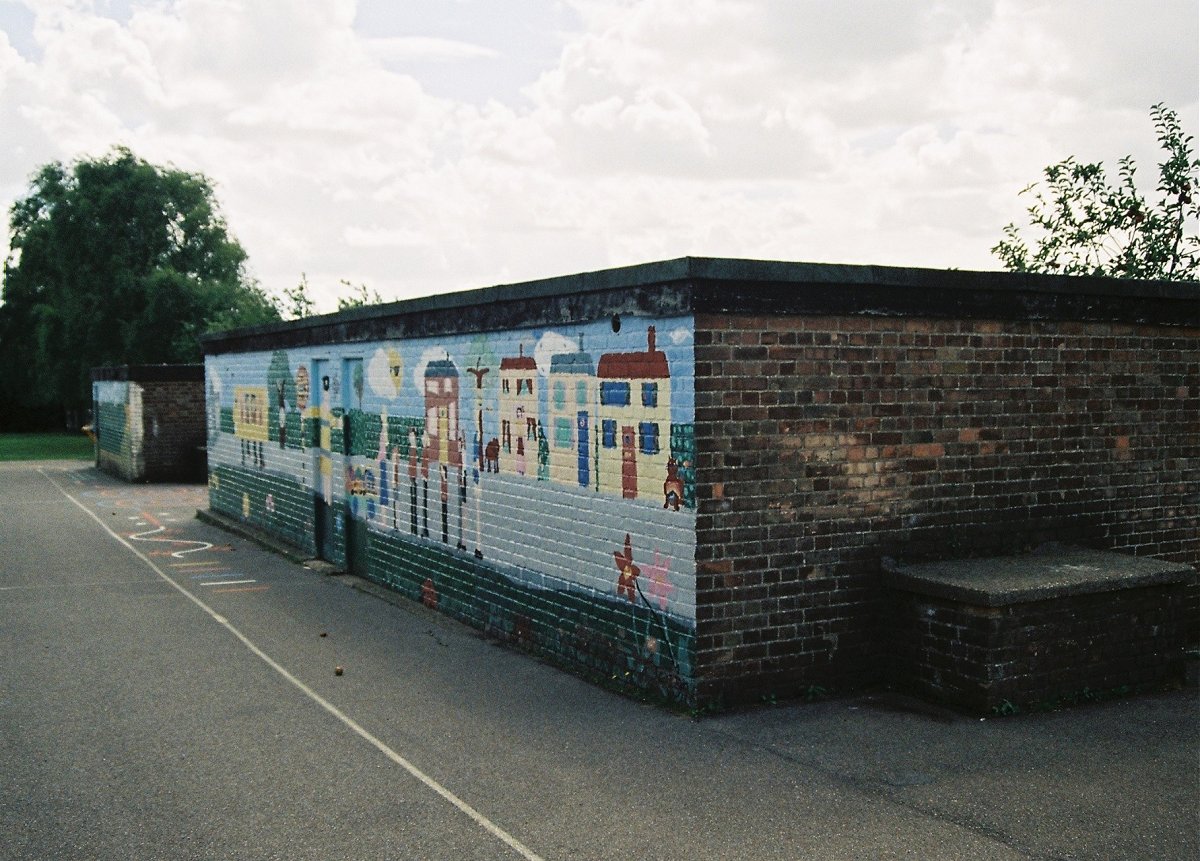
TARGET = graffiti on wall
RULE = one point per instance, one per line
(539, 454)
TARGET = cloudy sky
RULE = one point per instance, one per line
(421, 147)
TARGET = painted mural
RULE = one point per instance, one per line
(501, 477)
(113, 431)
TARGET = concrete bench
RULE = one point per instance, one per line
(1040, 630)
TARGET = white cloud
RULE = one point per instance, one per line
(412, 48)
(549, 345)
(787, 129)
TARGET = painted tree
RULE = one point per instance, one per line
(114, 261)
(1082, 224)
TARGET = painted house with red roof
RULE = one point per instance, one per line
(634, 417)
(518, 413)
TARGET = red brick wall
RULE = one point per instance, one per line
(174, 431)
(827, 443)
(1039, 654)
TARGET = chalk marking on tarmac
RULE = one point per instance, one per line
(225, 582)
(178, 554)
(479, 819)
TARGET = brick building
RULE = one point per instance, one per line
(808, 425)
(149, 421)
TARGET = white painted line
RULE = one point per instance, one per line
(225, 582)
(479, 819)
(88, 585)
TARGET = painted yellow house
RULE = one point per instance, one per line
(571, 405)
(518, 414)
(634, 416)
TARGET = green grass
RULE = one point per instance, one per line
(45, 446)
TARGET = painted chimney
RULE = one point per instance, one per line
(650, 340)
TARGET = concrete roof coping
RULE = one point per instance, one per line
(149, 373)
(712, 277)
(1052, 573)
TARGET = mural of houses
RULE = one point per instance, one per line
(441, 414)
(518, 413)
(443, 449)
(571, 404)
(635, 421)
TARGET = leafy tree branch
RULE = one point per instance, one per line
(1081, 223)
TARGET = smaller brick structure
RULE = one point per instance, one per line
(149, 422)
(1039, 629)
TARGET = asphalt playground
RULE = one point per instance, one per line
(170, 690)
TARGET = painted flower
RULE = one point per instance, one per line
(657, 582)
(628, 572)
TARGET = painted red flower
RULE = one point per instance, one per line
(627, 578)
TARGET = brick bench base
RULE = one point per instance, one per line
(1040, 630)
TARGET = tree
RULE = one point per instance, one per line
(297, 301)
(358, 296)
(114, 261)
(1086, 226)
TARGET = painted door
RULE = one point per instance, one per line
(322, 463)
(581, 427)
(443, 431)
(628, 462)
(355, 500)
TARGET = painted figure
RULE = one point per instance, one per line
(425, 487)
(279, 389)
(673, 486)
(462, 491)
(384, 489)
(412, 479)
(445, 496)
(543, 472)
(395, 457)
